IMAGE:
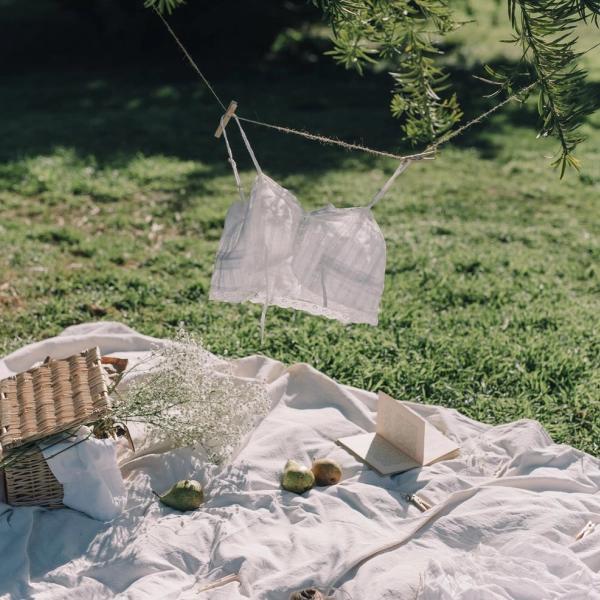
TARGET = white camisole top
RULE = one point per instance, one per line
(329, 262)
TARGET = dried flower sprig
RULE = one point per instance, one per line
(188, 396)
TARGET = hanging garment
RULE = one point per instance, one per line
(329, 262)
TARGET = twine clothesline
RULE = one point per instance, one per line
(310, 136)
(332, 141)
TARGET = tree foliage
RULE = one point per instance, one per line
(406, 34)
(545, 31)
(163, 5)
(400, 33)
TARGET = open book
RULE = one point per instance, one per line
(402, 440)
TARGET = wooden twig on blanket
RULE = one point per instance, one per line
(418, 591)
(219, 582)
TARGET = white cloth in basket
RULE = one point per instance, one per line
(89, 472)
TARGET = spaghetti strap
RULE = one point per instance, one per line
(250, 152)
(386, 187)
(233, 165)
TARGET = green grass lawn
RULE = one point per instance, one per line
(113, 193)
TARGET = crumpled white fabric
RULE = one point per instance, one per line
(530, 567)
(512, 496)
(89, 472)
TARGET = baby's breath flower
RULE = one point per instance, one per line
(189, 396)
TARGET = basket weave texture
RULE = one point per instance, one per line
(52, 398)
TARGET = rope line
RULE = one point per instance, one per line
(190, 59)
(480, 118)
(325, 140)
(427, 154)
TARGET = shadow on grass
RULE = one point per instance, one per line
(114, 116)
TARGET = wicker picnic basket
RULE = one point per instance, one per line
(55, 397)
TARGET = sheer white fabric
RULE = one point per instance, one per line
(339, 260)
(330, 262)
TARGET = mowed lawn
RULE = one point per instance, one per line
(113, 194)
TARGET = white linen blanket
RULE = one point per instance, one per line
(503, 525)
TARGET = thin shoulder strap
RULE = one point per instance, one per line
(250, 152)
(233, 165)
(386, 187)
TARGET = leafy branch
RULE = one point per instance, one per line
(400, 32)
(404, 35)
(545, 32)
(163, 6)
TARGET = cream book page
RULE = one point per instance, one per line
(401, 427)
(402, 440)
(438, 446)
(412, 434)
(378, 453)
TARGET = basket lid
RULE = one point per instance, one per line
(52, 397)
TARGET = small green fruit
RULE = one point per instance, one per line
(184, 495)
(296, 477)
(326, 471)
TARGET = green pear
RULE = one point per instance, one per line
(296, 477)
(326, 471)
(184, 495)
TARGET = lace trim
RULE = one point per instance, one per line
(344, 315)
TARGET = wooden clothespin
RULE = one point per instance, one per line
(226, 117)
(588, 528)
(421, 504)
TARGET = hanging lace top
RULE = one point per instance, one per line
(329, 262)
